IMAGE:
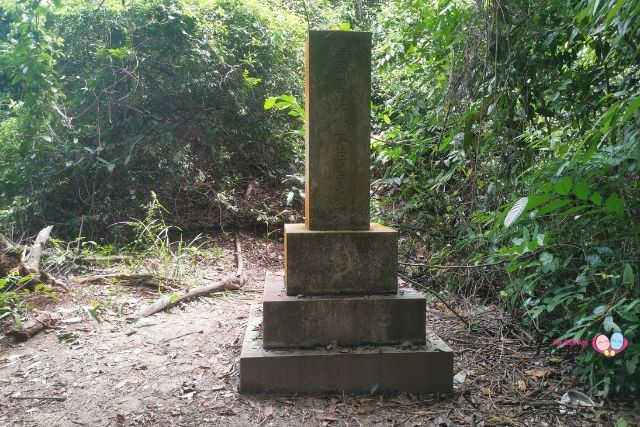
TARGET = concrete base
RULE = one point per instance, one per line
(352, 320)
(419, 369)
(340, 262)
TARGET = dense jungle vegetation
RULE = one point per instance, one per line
(505, 138)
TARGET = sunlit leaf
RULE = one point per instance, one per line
(516, 210)
(269, 103)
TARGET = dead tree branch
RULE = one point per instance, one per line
(230, 283)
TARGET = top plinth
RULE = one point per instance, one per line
(337, 108)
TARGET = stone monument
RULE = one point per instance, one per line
(336, 320)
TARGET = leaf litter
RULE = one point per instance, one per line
(180, 367)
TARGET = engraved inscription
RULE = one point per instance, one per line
(342, 128)
(337, 156)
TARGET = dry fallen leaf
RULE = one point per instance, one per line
(538, 373)
(522, 386)
(268, 411)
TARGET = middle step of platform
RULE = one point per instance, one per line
(354, 320)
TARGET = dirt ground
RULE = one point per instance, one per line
(180, 367)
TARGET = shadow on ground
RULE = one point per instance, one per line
(180, 367)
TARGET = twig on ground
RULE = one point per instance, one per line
(413, 264)
(59, 399)
(182, 336)
(104, 259)
(442, 300)
(146, 280)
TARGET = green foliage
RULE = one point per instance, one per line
(10, 301)
(156, 91)
(14, 293)
(511, 131)
(155, 243)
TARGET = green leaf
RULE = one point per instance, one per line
(269, 103)
(596, 199)
(515, 211)
(537, 200)
(614, 204)
(614, 11)
(563, 186)
(581, 190)
(621, 422)
(627, 276)
(553, 206)
(609, 325)
(631, 108)
(599, 310)
(547, 261)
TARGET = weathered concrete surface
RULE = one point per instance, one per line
(340, 262)
(337, 99)
(420, 369)
(356, 320)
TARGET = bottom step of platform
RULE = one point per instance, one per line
(416, 369)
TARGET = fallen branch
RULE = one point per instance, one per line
(104, 259)
(31, 327)
(403, 277)
(146, 280)
(28, 263)
(32, 260)
(230, 283)
(239, 263)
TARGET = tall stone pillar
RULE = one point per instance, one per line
(336, 320)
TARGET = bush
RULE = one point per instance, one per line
(516, 127)
(158, 95)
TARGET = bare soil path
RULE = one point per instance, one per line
(180, 367)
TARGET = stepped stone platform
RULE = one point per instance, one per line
(417, 369)
(307, 321)
(336, 320)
